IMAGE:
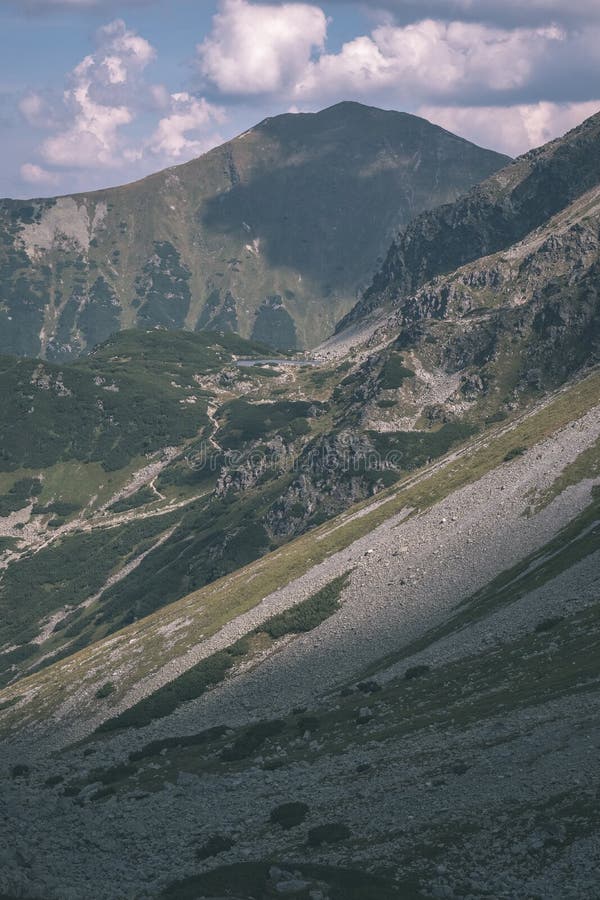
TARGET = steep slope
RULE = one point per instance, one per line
(489, 336)
(247, 458)
(160, 464)
(491, 217)
(224, 677)
(155, 465)
(564, 428)
(497, 332)
(432, 723)
(272, 235)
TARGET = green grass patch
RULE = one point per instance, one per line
(246, 422)
(7, 543)
(310, 613)
(105, 691)
(329, 833)
(289, 815)
(69, 570)
(252, 739)
(394, 373)
(20, 494)
(142, 497)
(306, 616)
(214, 846)
(514, 453)
(158, 747)
(211, 607)
(252, 880)
(411, 449)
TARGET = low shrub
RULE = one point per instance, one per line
(20, 494)
(216, 844)
(211, 671)
(548, 624)
(417, 672)
(155, 748)
(6, 704)
(330, 833)
(60, 508)
(105, 691)
(369, 687)
(310, 613)
(308, 723)
(394, 372)
(116, 773)
(163, 702)
(496, 417)
(289, 815)
(54, 780)
(103, 793)
(141, 497)
(56, 523)
(514, 453)
(252, 740)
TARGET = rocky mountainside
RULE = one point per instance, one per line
(491, 217)
(273, 235)
(401, 704)
(326, 629)
(159, 463)
(503, 329)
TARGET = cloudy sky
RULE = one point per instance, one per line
(99, 92)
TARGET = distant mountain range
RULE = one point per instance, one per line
(274, 235)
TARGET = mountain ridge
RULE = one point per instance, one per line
(213, 243)
(489, 218)
(321, 627)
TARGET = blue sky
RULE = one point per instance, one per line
(95, 93)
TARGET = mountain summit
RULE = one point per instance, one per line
(273, 235)
(524, 196)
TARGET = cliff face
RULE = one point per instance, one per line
(273, 235)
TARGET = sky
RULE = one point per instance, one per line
(95, 93)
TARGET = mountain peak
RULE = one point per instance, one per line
(272, 235)
(489, 218)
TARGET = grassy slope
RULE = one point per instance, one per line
(207, 610)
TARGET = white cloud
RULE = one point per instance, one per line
(257, 48)
(429, 59)
(468, 66)
(107, 92)
(34, 174)
(33, 108)
(111, 74)
(182, 134)
(513, 129)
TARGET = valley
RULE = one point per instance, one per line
(318, 621)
